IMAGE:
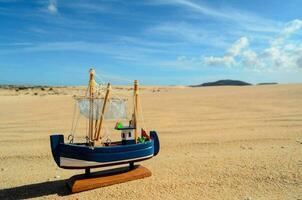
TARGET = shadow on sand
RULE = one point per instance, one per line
(58, 187)
(36, 190)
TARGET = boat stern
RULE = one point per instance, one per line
(155, 139)
(55, 141)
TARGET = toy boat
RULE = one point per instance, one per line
(97, 150)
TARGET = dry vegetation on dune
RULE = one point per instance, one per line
(15, 90)
(216, 143)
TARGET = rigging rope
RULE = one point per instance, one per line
(141, 113)
(113, 78)
(74, 110)
(76, 116)
(100, 90)
(102, 79)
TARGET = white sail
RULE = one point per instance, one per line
(96, 107)
(115, 108)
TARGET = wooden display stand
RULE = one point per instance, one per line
(88, 181)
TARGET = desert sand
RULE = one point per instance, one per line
(216, 143)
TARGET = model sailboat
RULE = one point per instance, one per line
(95, 152)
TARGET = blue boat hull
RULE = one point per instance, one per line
(81, 156)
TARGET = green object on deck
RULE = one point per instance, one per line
(141, 139)
(120, 125)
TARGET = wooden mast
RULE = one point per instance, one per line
(91, 95)
(135, 113)
(97, 135)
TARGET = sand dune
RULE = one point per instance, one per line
(216, 143)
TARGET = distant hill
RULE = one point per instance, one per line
(226, 82)
(272, 83)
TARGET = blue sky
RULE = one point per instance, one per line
(162, 42)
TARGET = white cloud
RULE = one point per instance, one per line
(299, 62)
(52, 6)
(181, 58)
(238, 46)
(219, 61)
(184, 32)
(246, 20)
(250, 59)
(282, 54)
(198, 7)
(229, 58)
(279, 58)
(125, 48)
(289, 29)
(86, 6)
(292, 26)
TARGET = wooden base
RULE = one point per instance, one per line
(83, 182)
